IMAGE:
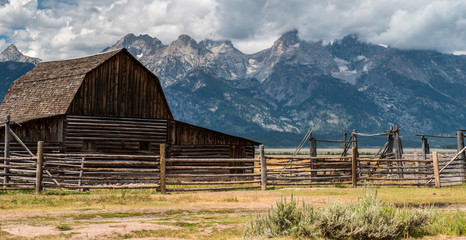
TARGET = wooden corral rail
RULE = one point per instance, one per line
(104, 171)
(309, 171)
(100, 171)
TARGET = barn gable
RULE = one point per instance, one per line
(95, 85)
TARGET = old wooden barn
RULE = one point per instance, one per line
(106, 103)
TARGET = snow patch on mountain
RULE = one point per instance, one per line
(344, 73)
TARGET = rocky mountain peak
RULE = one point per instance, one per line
(209, 44)
(12, 54)
(185, 46)
(185, 40)
(286, 41)
(289, 38)
(138, 45)
(219, 47)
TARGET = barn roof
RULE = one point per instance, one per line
(49, 88)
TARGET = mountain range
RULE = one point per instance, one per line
(274, 96)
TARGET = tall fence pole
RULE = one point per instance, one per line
(39, 164)
(354, 139)
(345, 134)
(462, 156)
(416, 165)
(354, 163)
(263, 168)
(425, 147)
(7, 151)
(80, 180)
(312, 146)
(313, 153)
(163, 186)
(398, 148)
(436, 169)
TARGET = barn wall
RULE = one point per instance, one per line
(93, 134)
(120, 87)
(181, 133)
(49, 130)
(46, 129)
(187, 140)
(114, 135)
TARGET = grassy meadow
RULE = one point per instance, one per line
(136, 214)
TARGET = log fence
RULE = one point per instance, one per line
(101, 171)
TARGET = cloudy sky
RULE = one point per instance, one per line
(58, 29)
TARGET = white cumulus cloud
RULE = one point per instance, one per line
(57, 29)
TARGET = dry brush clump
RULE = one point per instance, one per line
(365, 218)
(287, 219)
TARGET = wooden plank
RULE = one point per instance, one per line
(436, 169)
(162, 169)
(354, 173)
(40, 159)
(6, 149)
(211, 182)
(263, 164)
(210, 189)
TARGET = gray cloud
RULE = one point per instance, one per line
(57, 29)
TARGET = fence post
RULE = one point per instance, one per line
(345, 138)
(416, 165)
(461, 157)
(80, 180)
(313, 153)
(163, 187)
(436, 169)
(7, 151)
(263, 168)
(398, 148)
(354, 173)
(39, 164)
(354, 139)
(425, 147)
(312, 146)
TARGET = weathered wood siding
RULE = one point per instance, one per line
(181, 133)
(114, 135)
(48, 130)
(120, 87)
(187, 140)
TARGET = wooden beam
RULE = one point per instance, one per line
(354, 139)
(436, 169)
(40, 159)
(263, 168)
(354, 174)
(163, 186)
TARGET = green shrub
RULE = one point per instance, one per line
(368, 218)
(287, 219)
(365, 218)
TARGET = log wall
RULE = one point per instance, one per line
(114, 135)
(93, 134)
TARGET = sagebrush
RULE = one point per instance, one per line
(364, 218)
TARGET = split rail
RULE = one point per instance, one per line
(99, 171)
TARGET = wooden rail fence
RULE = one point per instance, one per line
(100, 171)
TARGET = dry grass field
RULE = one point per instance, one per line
(146, 214)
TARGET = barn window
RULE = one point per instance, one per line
(144, 146)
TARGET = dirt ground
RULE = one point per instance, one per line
(43, 224)
(180, 217)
